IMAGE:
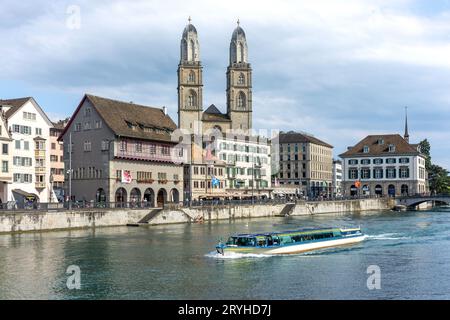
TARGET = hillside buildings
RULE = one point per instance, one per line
(122, 153)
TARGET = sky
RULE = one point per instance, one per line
(339, 70)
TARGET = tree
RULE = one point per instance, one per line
(425, 148)
(439, 180)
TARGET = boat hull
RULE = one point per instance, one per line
(296, 248)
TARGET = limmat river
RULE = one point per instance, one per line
(411, 250)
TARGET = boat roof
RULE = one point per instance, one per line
(289, 232)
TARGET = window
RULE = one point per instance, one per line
(241, 79)
(87, 146)
(29, 116)
(365, 173)
(391, 173)
(4, 148)
(78, 127)
(98, 124)
(40, 145)
(123, 146)
(404, 173)
(17, 144)
(38, 131)
(403, 160)
(53, 158)
(191, 77)
(165, 150)
(353, 162)
(353, 173)
(152, 149)
(53, 146)
(241, 103)
(366, 149)
(378, 161)
(5, 166)
(391, 160)
(138, 146)
(105, 145)
(87, 112)
(87, 126)
(380, 142)
(378, 173)
(26, 145)
(365, 161)
(391, 148)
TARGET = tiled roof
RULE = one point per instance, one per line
(133, 120)
(295, 137)
(379, 145)
(15, 105)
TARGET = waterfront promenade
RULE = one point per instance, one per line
(46, 219)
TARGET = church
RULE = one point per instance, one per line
(191, 116)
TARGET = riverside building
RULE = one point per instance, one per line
(29, 127)
(384, 165)
(305, 161)
(122, 153)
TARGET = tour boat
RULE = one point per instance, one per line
(288, 242)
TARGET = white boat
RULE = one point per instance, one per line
(289, 242)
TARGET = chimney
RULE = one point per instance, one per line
(165, 110)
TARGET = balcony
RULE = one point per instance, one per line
(148, 152)
(39, 154)
(40, 170)
(40, 185)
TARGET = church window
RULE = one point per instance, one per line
(192, 99)
(241, 79)
(191, 77)
(241, 100)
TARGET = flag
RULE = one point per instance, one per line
(215, 182)
(126, 176)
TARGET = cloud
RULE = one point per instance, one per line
(340, 70)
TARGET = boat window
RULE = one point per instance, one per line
(244, 241)
(231, 241)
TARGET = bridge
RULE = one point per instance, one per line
(412, 201)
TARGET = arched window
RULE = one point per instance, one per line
(241, 53)
(192, 99)
(241, 79)
(192, 57)
(241, 100)
(191, 77)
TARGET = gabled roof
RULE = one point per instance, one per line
(129, 119)
(295, 137)
(214, 114)
(379, 146)
(16, 104)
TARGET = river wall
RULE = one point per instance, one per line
(13, 222)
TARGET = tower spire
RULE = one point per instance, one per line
(406, 136)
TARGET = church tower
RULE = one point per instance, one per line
(239, 83)
(190, 81)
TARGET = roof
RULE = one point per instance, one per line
(214, 114)
(189, 28)
(378, 149)
(131, 120)
(295, 137)
(236, 32)
(15, 104)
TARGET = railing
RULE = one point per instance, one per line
(87, 205)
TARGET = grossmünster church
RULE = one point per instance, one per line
(191, 116)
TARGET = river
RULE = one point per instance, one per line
(411, 250)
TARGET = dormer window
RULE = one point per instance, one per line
(380, 142)
(366, 149)
(391, 148)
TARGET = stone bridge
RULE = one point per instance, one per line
(412, 201)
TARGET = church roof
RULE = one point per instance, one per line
(214, 114)
(238, 31)
(189, 28)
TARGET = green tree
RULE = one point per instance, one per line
(425, 148)
(439, 180)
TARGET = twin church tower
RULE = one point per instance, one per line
(190, 87)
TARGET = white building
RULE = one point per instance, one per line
(5, 160)
(30, 131)
(337, 178)
(248, 164)
(384, 165)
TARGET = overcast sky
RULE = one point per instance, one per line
(339, 70)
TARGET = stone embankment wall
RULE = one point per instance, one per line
(44, 221)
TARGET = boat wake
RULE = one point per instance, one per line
(236, 255)
(387, 236)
